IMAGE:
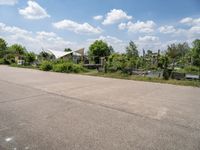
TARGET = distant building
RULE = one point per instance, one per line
(76, 56)
(19, 60)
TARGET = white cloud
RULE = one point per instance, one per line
(117, 44)
(115, 16)
(167, 29)
(139, 26)
(108, 39)
(33, 11)
(148, 42)
(99, 17)
(190, 21)
(12, 30)
(8, 2)
(148, 39)
(190, 33)
(34, 41)
(84, 28)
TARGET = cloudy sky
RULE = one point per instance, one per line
(59, 24)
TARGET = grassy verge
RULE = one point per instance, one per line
(23, 66)
(119, 75)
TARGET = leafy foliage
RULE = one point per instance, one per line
(68, 67)
(30, 57)
(17, 49)
(196, 52)
(98, 49)
(45, 56)
(3, 45)
(67, 50)
(46, 66)
(131, 50)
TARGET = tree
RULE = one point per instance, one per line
(177, 52)
(45, 56)
(17, 49)
(131, 50)
(132, 54)
(30, 57)
(3, 44)
(97, 50)
(117, 62)
(196, 53)
(67, 50)
(111, 49)
(3, 47)
(173, 53)
(183, 48)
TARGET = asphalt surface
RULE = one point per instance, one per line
(54, 111)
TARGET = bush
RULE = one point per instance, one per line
(166, 74)
(68, 67)
(191, 69)
(9, 59)
(1, 61)
(46, 66)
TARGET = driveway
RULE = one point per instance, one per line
(53, 111)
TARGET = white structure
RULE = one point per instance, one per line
(75, 55)
(60, 54)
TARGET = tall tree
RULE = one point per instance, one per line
(17, 49)
(131, 50)
(30, 57)
(3, 44)
(196, 53)
(45, 56)
(173, 53)
(183, 48)
(98, 49)
(3, 47)
(111, 49)
(132, 55)
(177, 52)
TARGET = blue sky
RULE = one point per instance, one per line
(151, 24)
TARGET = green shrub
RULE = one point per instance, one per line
(191, 69)
(46, 66)
(78, 68)
(166, 74)
(9, 59)
(64, 67)
(1, 61)
(68, 67)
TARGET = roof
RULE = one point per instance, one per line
(58, 54)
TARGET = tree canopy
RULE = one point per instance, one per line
(99, 49)
(131, 50)
(3, 44)
(17, 49)
(196, 52)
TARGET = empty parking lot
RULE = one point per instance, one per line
(46, 110)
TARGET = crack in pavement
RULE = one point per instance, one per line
(21, 99)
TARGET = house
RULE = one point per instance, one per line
(19, 60)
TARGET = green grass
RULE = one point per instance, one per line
(23, 66)
(119, 75)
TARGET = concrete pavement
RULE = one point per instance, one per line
(45, 110)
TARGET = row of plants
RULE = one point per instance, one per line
(179, 57)
(62, 66)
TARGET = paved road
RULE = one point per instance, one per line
(53, 111)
